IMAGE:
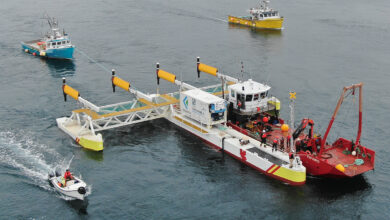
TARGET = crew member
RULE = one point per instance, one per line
(274, 145)
(352, 146)
(282, 144)
(291, 156)
(263, 137)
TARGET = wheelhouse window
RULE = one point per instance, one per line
(248, 98)
(59, 43)
(238, 96)
(262, 95)
(63, 42)
(256, 97)
(54, 43)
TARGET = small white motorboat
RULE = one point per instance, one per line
(75, 188)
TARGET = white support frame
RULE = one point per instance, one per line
(118, 120)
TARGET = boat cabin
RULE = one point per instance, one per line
(249, 97)
(58, 43)
(54, 38)
(263, 12)
(258, 14)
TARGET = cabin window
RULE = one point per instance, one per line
(262, 95)
(238, 96)
(233, 93)
(256, 97)
(54, 43)
(265, 15)
(63, 42)
(59, 43)
(248, 98)
(68, 42)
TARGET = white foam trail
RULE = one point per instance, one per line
(21, 152)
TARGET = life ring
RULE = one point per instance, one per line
(308, 152)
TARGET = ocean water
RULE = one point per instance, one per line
(155, 170)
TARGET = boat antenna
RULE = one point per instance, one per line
(292, 99)
(181, 81)
(242, 70)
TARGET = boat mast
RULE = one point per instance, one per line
(360, 114)
(292, 98)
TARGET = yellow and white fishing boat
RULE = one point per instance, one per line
(261, 17)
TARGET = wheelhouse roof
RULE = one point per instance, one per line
(250, 87)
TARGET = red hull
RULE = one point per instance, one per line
(325, 165)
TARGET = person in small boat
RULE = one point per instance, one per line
(68, 175)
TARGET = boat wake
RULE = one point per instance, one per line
(23, 157)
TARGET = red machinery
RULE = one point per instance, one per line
(344, 158)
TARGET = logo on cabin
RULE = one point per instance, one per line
(185, 102)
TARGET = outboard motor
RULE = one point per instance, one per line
(81, 190)
(51, 174)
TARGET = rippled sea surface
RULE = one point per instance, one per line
(155, 170)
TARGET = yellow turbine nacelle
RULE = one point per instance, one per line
(116, 81)
(201, 67)
(67, 90)
(164, 75)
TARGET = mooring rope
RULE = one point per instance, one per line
(92, 60)
(100, 65)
